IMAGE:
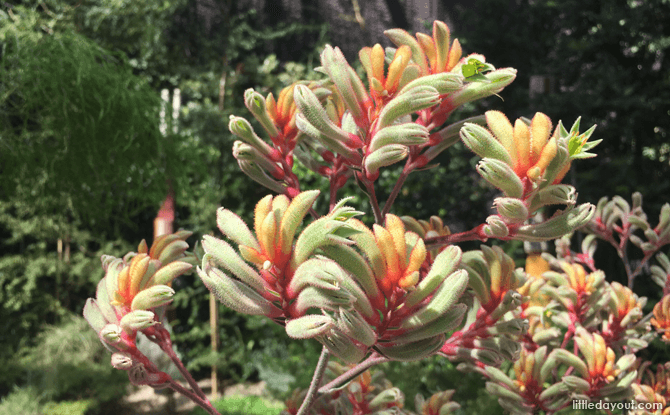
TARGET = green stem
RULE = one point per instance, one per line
(396, 189)
(379, 219)
(316, 380)
(373, 360)
(203, 403)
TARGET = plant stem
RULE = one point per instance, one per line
(475, 234)
(379, 219)
(185, 373)
(373, 360)
(203, 403)
(396, 189)
(316, 380)
(162, 338)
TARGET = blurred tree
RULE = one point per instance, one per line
(610, 63)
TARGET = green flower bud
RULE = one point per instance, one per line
(503, 392)
(481, 142)
(495, 227)
(332, 300)
(389, 396)
(138, 320)
(565, 357)
(309, 326)
(444, 265)
(173, 251)
(343, 347)
(293, 217)
(450, 135)
(225, 256)
(556, 194)
(444, 83)
(447, 322)
(168, 273)
(512, 210)
(412, 351)
(316, 115)
(500, 175)
(122, 361)
(576, 384)
(406, 103)
(152, 297)
(354, 325)
(235, 294)
(256, 105)
(93, 315)
(385, 156)
(111, 333)
(257, 174)
(473, 91)
(331, 144)
(245, 152)
(242, 129)
(444, 298)
(499, 376)
(347, 83)
(557, 389)
(557, 226)
(407, 134)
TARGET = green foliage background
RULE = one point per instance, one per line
(83, 162)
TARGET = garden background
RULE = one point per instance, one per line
(86, 163)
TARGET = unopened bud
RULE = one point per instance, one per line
(122, 361)
(384, 156)
(242, 129)
(138, 320)
(343, 347)
(152, 297)
(481, 141)
(406, 134)
(255, 102)
(501, 175)
(576, 384)
(557, 226)
(386, 397)
(557, 194)
(511, 209)
(495, 227)
(256, 173)
(111, 333)
(307, 327)
(472, 91)
(409, 102)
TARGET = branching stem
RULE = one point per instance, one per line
(316, 380)
(203, 403)
(396, 189)
(374, 359)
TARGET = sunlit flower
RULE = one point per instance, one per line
(402, 253)
(661, 319)
(530, 148)
(433, 54)
(131, 298)
(600, 359)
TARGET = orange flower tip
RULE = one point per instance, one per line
(534, 173)
(409, 281)
(143, 248)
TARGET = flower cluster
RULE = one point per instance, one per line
(131, 298)
(402, 289)
(527, 162)
(569, 308)
(372, 287)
